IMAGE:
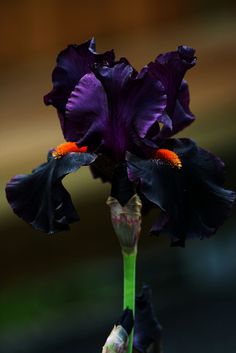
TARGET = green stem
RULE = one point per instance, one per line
(129, 260)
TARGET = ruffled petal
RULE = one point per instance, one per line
(182, 116)
(73, 63)
(193, 197)
(40, 197)
(86, 111)
(134, 105)
(170, 69)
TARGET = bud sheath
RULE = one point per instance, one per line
(117, 341)
(126, 221)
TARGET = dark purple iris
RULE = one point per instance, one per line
(126, 120)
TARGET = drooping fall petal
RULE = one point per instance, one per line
(40, 197)
(193, 197)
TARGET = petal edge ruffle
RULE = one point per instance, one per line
(193, 197)
(40, 198)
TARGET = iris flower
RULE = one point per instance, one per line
(121, 123)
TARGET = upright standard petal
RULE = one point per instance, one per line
(170, 69)
(41, 199)
(113, 109)
(87, 111)
(182, 116)
(134, 105)
(192, 197)
(73, 63)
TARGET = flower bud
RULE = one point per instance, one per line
(117, 341)
(126, 221)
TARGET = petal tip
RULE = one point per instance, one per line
(187, 53)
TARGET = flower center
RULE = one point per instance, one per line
(169, 156)
(66, 148)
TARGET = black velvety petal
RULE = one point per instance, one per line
(40, 197)
(122, 188)
(193, 198)
(147, 329)
(103, 168)
(160, 224)
(109, 171)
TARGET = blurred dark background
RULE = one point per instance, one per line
(63, 293)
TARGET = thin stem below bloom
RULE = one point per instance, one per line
(129, 260)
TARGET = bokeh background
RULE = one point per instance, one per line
(63, 293)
